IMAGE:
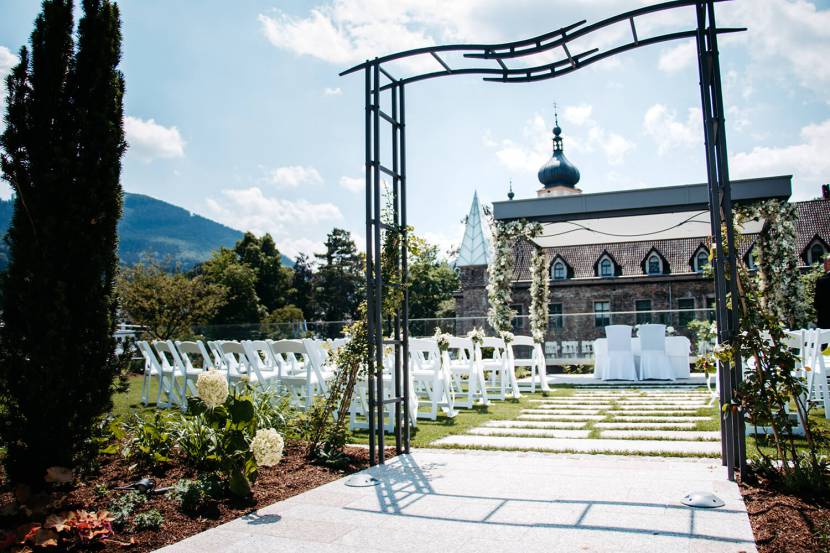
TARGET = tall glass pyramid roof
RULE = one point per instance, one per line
(475, 247)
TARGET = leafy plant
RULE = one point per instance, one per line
(148, 520)
(194, 495)
(149, 439)
(196, 441)
(123, 506)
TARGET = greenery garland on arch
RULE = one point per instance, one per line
(539, 295)
(500, 272)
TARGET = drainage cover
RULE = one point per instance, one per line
(702, 499)
(362, 481)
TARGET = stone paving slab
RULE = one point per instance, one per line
(662, 417)
(449, 501)
(621, 407)
(537, 432)
(655, 447)
(538, 424)
(644, 425)
(549, 417)
(562, 411)
(661, 434)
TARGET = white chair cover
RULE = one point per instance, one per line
(654, 363)
(620, 359)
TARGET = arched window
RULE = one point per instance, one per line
(816, 253)
(701, 260)
(558, 271)
(750, 259)
(654, 265)
(606, 268)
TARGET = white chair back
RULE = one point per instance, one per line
(195, 351)
(424, 354)
(619, 337)
(291, 356)
(234, 358)
(169, 357)
(151, 361)
(652, 337)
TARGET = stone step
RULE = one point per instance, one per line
(563, 411)
(535, 424)
(637, 425)
(658, 418)
(656, 408)
(549, 417)
(534, 432)
(655, 447)
(660, 435)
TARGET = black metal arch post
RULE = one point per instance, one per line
(494, 67)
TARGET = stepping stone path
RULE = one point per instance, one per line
(635, 421)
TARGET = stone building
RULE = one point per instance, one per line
(625, 281)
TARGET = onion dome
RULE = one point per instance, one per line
(558, 171)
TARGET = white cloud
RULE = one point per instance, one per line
(148, 140)
(578, 115)
(353, 184)
(661, 124)
(337, 91)
(7, 62)
(293, 176)
(290, 222)
(807, 161)
(677, 58)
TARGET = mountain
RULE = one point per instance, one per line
(158, 229)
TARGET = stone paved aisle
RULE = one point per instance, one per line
(642, 421)
(487, 501)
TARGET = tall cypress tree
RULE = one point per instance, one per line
(63, 146)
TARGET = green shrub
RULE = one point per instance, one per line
(148, 520)
(197, 441)
(123, 506)
(194, 495)
(149, 439)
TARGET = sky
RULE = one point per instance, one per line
(235, 110)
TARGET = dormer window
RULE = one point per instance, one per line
(816, 253)
(654, 265)
(700, 260)
(750, 259)
(559, 271)
(606, 268)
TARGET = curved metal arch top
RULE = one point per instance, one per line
(560, 38)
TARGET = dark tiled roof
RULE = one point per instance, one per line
(814, 218)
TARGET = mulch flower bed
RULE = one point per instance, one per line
(293, 475)
(785, 523)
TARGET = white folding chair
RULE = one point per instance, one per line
(233, 357)
(536, 361)
(587, 347)
(431, 379)
(183, 381)
(654, 363)
(262, 362)
(619, 363)
(302, 377)
(467, 377)
(153, 369)
(502, 376)
(818, 383)
(570, 348)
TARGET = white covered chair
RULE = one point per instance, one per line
(432, 381)
(619, 362)
(654, 363)
(153, 369)
(467, 376)
(535, 362)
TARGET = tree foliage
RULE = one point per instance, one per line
(302, 285)
(432, 282)
(273, 281)
(242, 304)
(340, 279)
(63, 146)
(167, 304)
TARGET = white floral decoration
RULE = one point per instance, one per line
(670, 331)
(212, 388)
(267, 447)
(539, 296)
(476, 335)
(443, 339)
(507, 337)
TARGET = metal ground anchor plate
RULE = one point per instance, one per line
(703, 500)
(362, 481)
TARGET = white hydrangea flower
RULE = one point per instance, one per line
(267, 447)
(212, 388)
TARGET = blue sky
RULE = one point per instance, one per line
(235, 110)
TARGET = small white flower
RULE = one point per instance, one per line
(212, 388)
(267, 447)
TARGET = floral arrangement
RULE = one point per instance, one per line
(539, 296)
(476, 335)
(670, 331)
(507, 337)
(443, 339)
(212, 388)
(267, 447)
(500, 270)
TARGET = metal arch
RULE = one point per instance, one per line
(705, 34)
(535, 45)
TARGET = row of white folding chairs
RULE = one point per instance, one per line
(813, 364)
(293, 365)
